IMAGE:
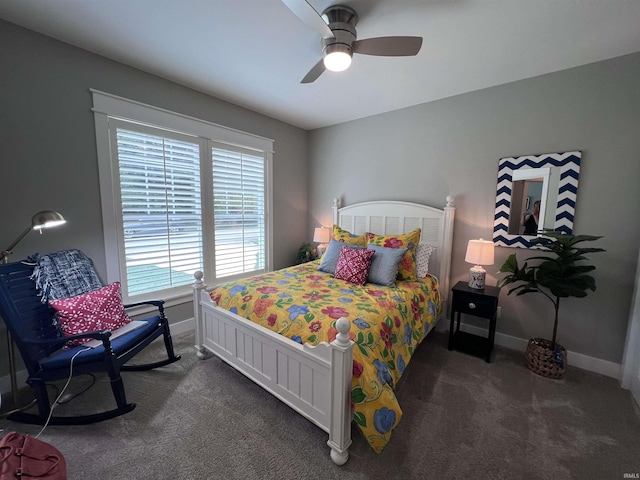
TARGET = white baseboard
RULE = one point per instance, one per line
(184, 326)
(177, 328)
(579, 360)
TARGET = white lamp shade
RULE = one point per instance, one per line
(479, 252)
(321, 235)
(337, 57)
(337, 61)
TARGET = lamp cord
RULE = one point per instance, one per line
(62, 392)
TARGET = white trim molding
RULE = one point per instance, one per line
(579, 360)
(124, 108)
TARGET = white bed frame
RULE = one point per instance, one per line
(316, 381)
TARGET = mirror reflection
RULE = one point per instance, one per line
(534, 193)
(525, 207)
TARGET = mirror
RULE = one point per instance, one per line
(535, 192)
(530, 202)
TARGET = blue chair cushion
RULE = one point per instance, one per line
(120, 344)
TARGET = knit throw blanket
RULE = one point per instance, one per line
(64, 274)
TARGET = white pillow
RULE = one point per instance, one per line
(422, 259)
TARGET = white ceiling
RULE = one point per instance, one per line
(255, 52)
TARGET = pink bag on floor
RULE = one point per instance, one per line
(25, 457)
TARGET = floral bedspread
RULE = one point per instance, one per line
(387, 325)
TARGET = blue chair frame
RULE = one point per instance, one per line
(39, 340)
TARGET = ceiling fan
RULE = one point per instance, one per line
(337, 27)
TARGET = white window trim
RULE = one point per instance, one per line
(106, 105)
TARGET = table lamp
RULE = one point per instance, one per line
(322, 235)
(479, 252)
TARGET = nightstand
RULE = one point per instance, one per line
(479, 303)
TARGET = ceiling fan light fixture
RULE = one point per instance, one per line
(337, 57)
(339, 38)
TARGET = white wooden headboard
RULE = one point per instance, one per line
(394, 217)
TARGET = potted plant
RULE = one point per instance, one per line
(306, 253)
(560, 275)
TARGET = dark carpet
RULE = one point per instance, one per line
(463, 418)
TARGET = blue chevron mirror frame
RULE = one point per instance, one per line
(550, 179)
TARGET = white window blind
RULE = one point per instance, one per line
(179, 194)
(239, 211)
(161, 210)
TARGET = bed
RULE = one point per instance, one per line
(303, 341)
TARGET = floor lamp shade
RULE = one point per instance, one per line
(43, 219)
(47, 219)
(479, 252)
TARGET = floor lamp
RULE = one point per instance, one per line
(40, 221)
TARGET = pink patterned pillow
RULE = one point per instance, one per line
(98, 310)
(353, 265)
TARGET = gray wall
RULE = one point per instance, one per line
(422, 154)
(48, 149)
(452, 147)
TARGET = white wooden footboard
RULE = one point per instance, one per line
(314, 381)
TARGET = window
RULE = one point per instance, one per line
(179, 195)
(160, 198)
(238, 202)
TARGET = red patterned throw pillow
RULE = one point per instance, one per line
(98, 310)
(353, 265)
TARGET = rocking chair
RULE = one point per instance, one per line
(40, 341)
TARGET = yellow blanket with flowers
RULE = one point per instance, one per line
(388, 323)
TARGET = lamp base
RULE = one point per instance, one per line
(320, 249)
(477, 277)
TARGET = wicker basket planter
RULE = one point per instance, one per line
(560, 274)
(544, 360)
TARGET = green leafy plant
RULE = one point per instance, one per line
(560, 275)
(306, 253)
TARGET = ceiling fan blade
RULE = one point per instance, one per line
(315, 72)
(388, 46)
(305, 12)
